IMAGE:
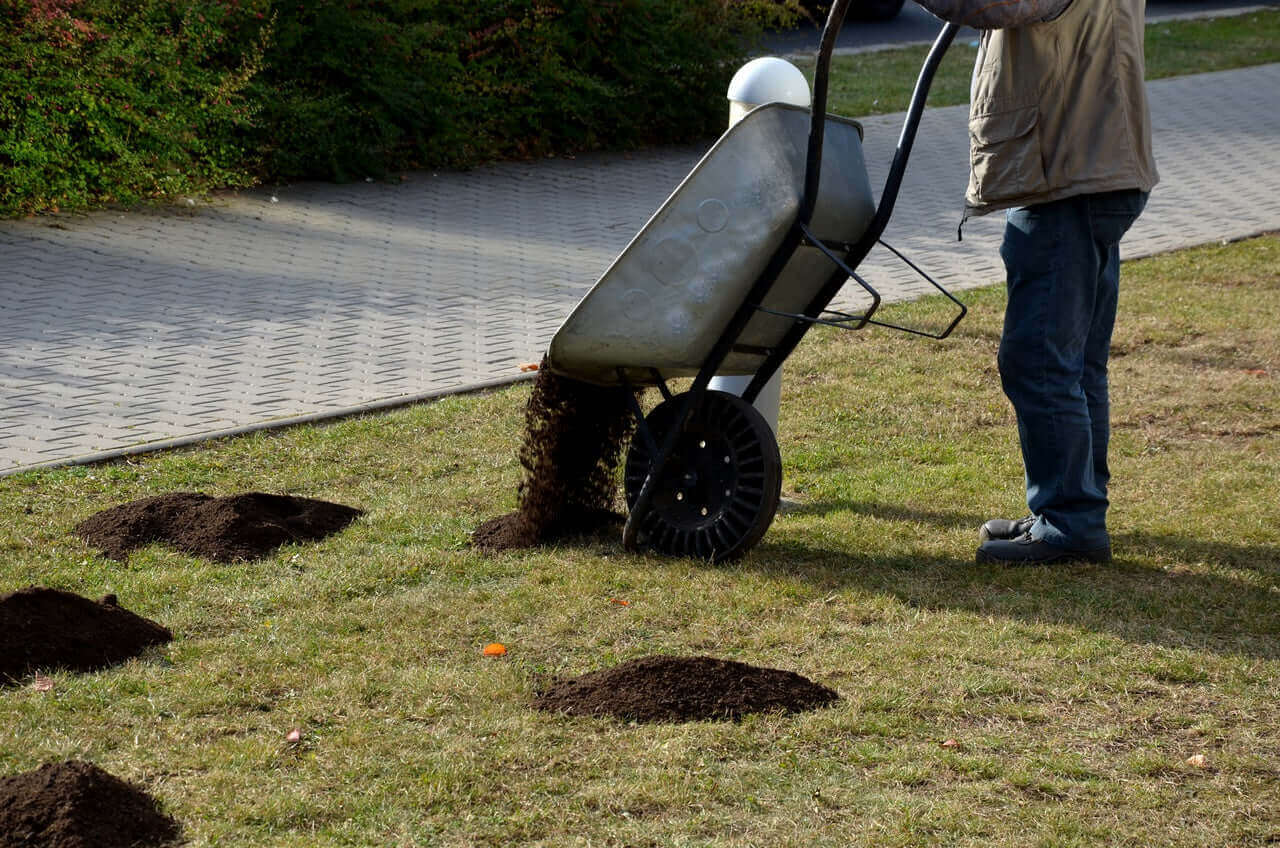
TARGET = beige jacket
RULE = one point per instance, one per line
(1059, 108)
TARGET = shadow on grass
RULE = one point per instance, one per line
(1265, 559)
(1164, 590)
(891, 512)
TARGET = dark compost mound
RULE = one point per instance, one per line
(49, 628)
(78, 805)
(574, 435)
(236, 527)
(665, 688)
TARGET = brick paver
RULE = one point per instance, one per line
(139, 329)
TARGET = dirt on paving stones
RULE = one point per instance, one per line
(44, 628)
(78, 805)
(237, 527)
(673, 689)
(573, 439)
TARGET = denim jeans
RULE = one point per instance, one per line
(1063, 264)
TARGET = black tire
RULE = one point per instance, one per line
(719, 491)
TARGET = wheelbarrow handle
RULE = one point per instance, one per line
(884, 209)
(893, 182)
(818, 121)
(817, 125)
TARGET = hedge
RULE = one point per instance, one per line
(122, 100)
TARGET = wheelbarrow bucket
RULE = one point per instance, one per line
(667, 298)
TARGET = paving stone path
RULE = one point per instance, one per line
(128, 331)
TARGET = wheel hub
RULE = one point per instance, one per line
(699, 479)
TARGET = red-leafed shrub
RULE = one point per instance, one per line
(121, 101)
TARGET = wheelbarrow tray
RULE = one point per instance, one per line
(668, 297)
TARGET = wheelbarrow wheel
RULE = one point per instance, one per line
(719, 491)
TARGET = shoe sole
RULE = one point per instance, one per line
(1064, 558)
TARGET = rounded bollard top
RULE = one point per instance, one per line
(769, 80)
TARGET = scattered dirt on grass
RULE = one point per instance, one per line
(574, 435)
(665, 688)
(236, 527)
(48, 628)
(78, 805)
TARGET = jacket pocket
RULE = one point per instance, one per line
(1005, 155)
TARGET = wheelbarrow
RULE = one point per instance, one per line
(726, 278)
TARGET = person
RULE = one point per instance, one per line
(1060, 139)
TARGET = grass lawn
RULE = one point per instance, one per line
(1075, 695)
(881, 82)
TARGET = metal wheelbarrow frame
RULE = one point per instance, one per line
(703, 474)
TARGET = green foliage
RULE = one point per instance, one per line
(119, 100)
(103, 101)
(122, 100)
(356, 88)
(350, 88)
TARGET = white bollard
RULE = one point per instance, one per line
(766, 403)
(764, 80)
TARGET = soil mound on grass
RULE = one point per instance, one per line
(236, 527)
(663, 688)
(574, 433)
(78, 805)
(515, 530)
(49, 628)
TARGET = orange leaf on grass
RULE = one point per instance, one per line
(620, 602)
(495, 649)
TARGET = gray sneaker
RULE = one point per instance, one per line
(1005, 528)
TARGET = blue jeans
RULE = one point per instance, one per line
(1063, 264)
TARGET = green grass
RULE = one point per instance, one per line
(1076, 694)
(881, 82)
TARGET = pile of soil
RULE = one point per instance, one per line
(78, 805)
(663, 688)
(573, 439)
(48, 628)
(236, 527)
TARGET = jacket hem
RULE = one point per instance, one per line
(974, 210)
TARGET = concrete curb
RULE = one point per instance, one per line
(275, 424)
